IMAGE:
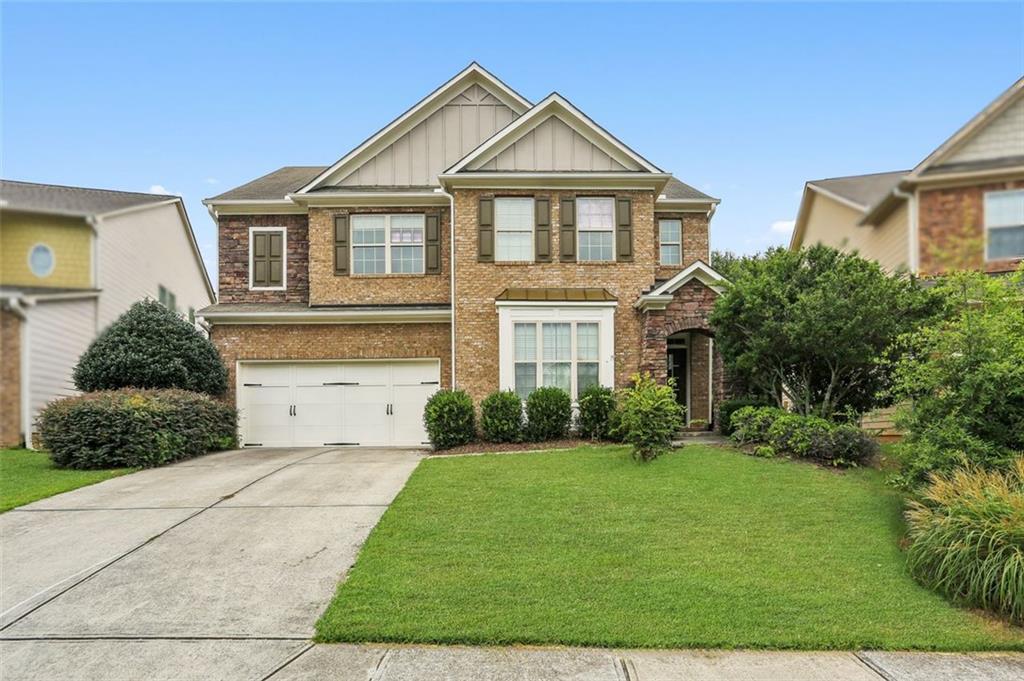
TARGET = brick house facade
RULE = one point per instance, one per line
(524, 249)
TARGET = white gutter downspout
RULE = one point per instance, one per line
(94, 222)
(711, 214)
(451, 266)
(913, 253)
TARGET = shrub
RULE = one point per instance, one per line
(548, 413)
(943, 446)
(650, 417)
(764, 451)
(501, 417)
(848, 445)
(450, 419)
(801, 436)
(135, 428)
(729, 407)
(751, 424)
(597, 404)
(967, 538)
(150, 346)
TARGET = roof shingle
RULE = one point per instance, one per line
(63, 200)
(863, 190)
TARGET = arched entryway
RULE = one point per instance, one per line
(689, 366)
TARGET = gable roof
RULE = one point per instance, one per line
(680, 191)
(859, 191)
(419, 111)
(272, 186)
(56, 199)
(557, 106)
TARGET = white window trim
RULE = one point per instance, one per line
(662, 243)
(533, 228)
(284, 258)
(615, 253)
(988, 227)
(387, 246)
(509, 314)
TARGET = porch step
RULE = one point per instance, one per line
(698, 437)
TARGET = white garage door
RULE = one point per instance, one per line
(311, 404)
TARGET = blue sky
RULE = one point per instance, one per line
(744, 101)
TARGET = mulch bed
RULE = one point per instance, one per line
(502, 447)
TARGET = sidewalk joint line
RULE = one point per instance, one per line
(306, 648)
(872, 666)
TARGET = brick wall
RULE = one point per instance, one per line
(332, 341)
(952, 228)
(10, 379)
(233, 258)
(326, 288)
(695, 241)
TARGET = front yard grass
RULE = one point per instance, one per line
(27, 476)
(704, 547)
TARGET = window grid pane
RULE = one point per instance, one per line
(670, 231)
(670, 254)
(1005, 242)
(586, 376)
(557, 342)
(586, 342)
(559, 375)
(513, 246)
(595, 214)
(407, 259)
(595, 246)
(526, 379)
(368, 260)
(1004, 209)
(526, 342)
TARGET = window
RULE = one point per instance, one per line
(267, 258)
(670, 235)
(166, 299)
(513, 229)
(1004, 224)
(41, 260)
(595, 222)
(191, 315)
(387, 244)
(568, 354)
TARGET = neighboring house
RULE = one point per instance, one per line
(71, 261)
(962, 207)
(345, 301)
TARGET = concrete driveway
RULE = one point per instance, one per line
(216, 567)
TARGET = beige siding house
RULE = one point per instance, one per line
(961, 207)
(73, 260)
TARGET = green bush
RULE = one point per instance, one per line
(548, 414)
(150, 346)
(450, 419)
(751, 424)
(943, 446)
(764, 451)
(729, 407)
(650, 417)
(806, 437)
(135, 428)
(967, 538)
(501, 417)
(597, 405)
(848, 445)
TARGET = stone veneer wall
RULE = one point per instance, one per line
(10, 379)
(326, 288)
(951, 228)
(233, 275)
(288, 342)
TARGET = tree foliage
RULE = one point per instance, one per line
(649, 417)
(149, 346)
(815, 325)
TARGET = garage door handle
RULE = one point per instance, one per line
(430, 382)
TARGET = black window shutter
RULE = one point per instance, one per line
(275, 258)
(567, 230)
(624, 229)
(341, 244)
(485, 243)
(432, 244)
(542, 228)
(260, 262)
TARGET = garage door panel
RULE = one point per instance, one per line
(364, 416)
(408, 413)
(317, 374)
(413, 373)
(268, 375)
(366, 373)
(317, 415)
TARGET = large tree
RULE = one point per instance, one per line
(815, 326)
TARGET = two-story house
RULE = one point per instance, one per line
(72, 260)
(479, 241)
(962, 207)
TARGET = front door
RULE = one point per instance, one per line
(679, 369)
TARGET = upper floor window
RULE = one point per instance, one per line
(670, 235)
(595, 223)
(387, 244)
(1004, 224)
(41, 260)
(167, 299)
(268, 258)
(513, 229)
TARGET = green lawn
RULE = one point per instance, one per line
(26, 476)
(702, 548)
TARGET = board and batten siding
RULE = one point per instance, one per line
(141, 251)
(59, 332)
(835, 224)
(419, 156)
(1001, 138)
(554, 146)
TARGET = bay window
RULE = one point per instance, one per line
(568, 354)
(670, 237)
(595, 225)
(513, 229)
(387, 244)
(1004, 224)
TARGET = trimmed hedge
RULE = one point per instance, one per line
(150, 346)
(450, 419)
(597, 409)
(751, 424)
(135, 428)
(805, 437)
(548, 414)
(501, 417)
